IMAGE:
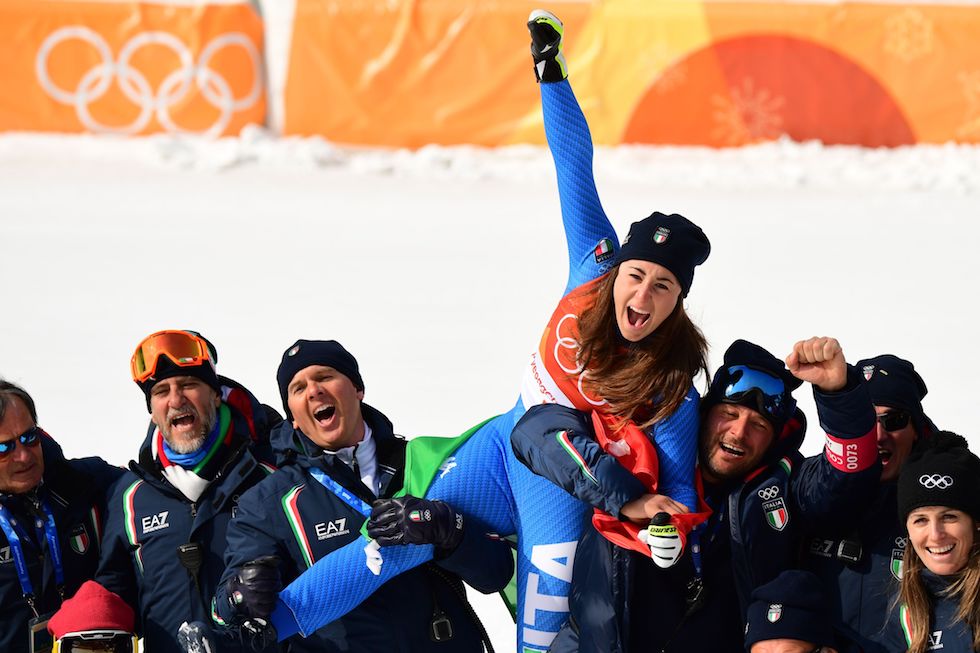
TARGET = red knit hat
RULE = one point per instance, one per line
(92, 608)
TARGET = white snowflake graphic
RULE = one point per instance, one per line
(750, 115)
(908, 35)
(673, 71)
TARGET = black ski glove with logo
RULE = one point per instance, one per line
(411, 520)
(253, 591)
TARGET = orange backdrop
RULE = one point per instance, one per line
(412, 72)
(130, 67)
(726, 73)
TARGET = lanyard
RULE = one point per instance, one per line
(345, 495)
(709, 530)
(42, 527)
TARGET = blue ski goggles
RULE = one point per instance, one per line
(757, 389)
(29, 438)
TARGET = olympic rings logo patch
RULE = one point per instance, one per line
(770, 492)
(935, 481)
(173, 89)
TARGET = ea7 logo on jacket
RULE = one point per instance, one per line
(156, 522)
(935, 641)
(326, 530)
(5, 556)
(777, 515)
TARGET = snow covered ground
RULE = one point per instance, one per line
(438, 268)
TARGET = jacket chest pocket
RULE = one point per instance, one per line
(154, 538)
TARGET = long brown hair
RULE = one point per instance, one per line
(914, 596)
(648, 381)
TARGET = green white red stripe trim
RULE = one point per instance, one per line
(129, 512)
(787, 465)
(905, 619)
(566, 444)
(267, 468)
(289, 506)
(215, 617)
(96, 526)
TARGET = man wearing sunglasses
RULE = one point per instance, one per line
(860, 560)
(764, 495)
(167, 519)
(51, 513)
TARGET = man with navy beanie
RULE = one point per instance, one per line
(764, 495)
(340, 462)
(859, 560)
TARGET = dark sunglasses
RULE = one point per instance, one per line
(29, 438)
(894, 420)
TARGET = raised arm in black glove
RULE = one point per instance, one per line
(411, 520)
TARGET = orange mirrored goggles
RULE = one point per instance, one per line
(183, 348)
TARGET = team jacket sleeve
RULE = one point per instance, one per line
(675, 439)
(117, 572)
(591, 239)
(250, 535)
(485, 564)
(844, 478)
(559, 444)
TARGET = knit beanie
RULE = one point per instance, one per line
(792, 606)
(92, 608)
(940, 471)
(672, 241)
(893, 382)
(748, 354)
(303, 353)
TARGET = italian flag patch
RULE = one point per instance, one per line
(79, 539)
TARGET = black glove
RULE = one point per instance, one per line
(546, 46)
(253, 591)
(410, 520)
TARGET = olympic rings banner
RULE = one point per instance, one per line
(131, 67)
(713, 72)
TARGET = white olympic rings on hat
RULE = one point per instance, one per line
(770, 492)
(567, 342)
(936, 481)
(134, 85)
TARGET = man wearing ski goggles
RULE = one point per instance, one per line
(859, 561)
(167, 522)
(765, 495)
(50, 518)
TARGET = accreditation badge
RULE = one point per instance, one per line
(40, 638)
